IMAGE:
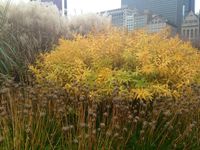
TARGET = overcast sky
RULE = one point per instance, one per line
(92, 5)
(83, 6)
(99, 5)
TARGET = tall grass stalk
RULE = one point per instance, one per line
(48, 117)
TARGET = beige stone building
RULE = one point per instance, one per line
(158, 23)
(190, 28)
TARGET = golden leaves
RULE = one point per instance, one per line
(140, 65)
(104, 75)
(141, 94)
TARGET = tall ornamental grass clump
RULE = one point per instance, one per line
(3, 14)
(87, 23)
(32, 28)
(135, 66)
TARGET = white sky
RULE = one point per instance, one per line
(92, 5)
(100, 5)
(84, 6)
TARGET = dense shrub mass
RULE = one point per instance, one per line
(125, 66)
(32, 28)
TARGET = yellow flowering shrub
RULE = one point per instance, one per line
(129, 66)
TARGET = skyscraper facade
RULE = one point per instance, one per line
(173, 10)
(192, 5)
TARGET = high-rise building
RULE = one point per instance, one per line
(61, 5)
(122, 17)
(173, 10)
(191, 5)
(141, 19)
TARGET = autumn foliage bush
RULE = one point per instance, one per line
(123, 66)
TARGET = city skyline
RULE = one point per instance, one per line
(173, 10)
(87, 6)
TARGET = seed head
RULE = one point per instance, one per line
(105, 114)
(42, 114)
(142, 132)
(192, 125)
(130, 117)
(137, 118)
(86, 136)
(4, 90)
(93, 131)
(82, 125)
(27, 106)
(2, 108)
(125, 129)
(1, 139)
(108, 133)
(115, 117)
(75, 141)
(102, 125)
(117, 126)
(66, 128)
(94, 115)
(3, 113)
(71, 126)
(142, 112)
(116, 135)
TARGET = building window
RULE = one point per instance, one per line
(192, 34)
(196, 32)
(188, 33)
(184, 32)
